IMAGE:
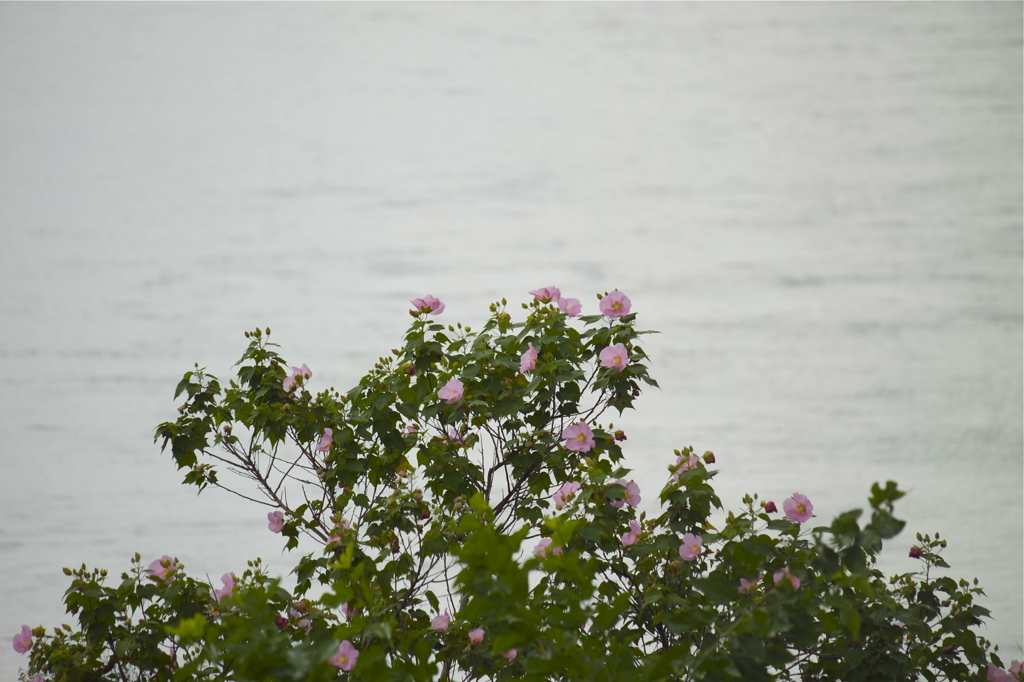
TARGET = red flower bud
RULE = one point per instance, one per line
(915, 552)
(709, 457)
(770, 507)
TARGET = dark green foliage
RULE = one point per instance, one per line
(419, 506)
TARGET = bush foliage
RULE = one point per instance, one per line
(472, 519)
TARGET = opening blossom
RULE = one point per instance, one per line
(23, 640)
(691, 547)
(291, 381)
(615, 357)
(345, 657)
(615, 304)
(565, 493)
(570, 306)
(229, 587)
(547, 294)
(630, 537)
(476, 636)
(578, 437)
(162, 570)
(784, 574)
(994, 674)
(427, 304)
(275, 521)
(747, 586)
(326, 440)
(541, 550)
(632, 494)
(798, 508)
(528, 362)
(687, 465)
(441, 621)
(454, 436)
(452, 391)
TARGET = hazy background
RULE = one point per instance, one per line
(818, 204)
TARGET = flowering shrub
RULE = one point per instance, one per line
(471, 517)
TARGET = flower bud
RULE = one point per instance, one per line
(915, 552)
(709, 457)
(281, 622)
(425, 514)
(770, 507)
(620, 435)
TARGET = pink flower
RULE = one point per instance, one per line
(565, 493)
(411, 429)
(747, 586)
(23, 640)
(615, 357)
(276, 521)
(570, 306)
(37, 678)
(454, 436)
(798, 508)
(229, 587)
(345, 610)
(528, 362)
(297, 376)
(1016, 668)
(691, 547)
(994, 674)
(630, 537)
(541, 550)
(476, 636)
(440, 621)
(162, 570)
(509, 655)
(427, 304)
(615, 304)
(632, 494)
(687, 465)
(547, 294)
(326, 440)
(784, 574)
(770, 507)
(452, 391)
(345, 657)
(578, 437)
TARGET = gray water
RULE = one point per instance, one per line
(819, 205)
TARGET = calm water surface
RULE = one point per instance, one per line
(818, 204)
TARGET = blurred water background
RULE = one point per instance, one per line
(818, 204)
